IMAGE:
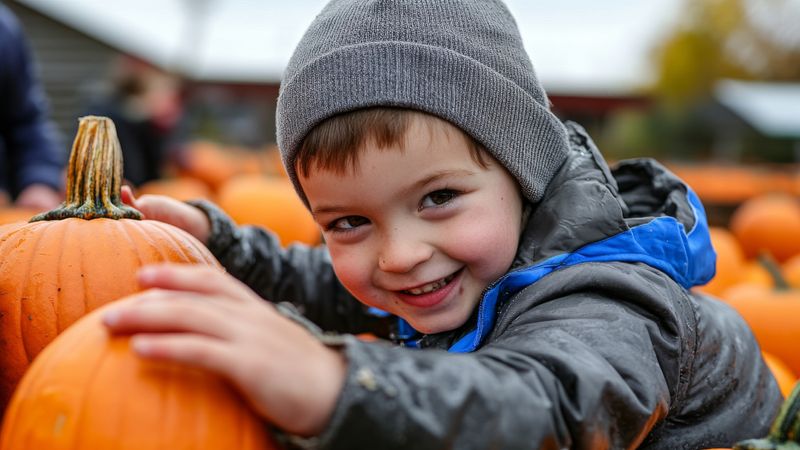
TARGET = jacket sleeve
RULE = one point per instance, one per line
(551, 381)
(32, 142)
(298, 274)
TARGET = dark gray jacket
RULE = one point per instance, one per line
(591, 341)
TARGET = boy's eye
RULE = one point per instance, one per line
(347, 223)
(438, 198)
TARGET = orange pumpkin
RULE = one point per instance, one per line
(89, 390)
(791, 271)
(79, 256)
(754, 272)
(768, 223)
(723, 184)
(180, 188)
(783, 374)
(11, 214)
(209, 163)
(273, 162)
(271, 203)
(771, 314)
(730, 261)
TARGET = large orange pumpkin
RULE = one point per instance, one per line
(88, 390)
(730, 261)
(271, 203)
(768, 223)
(79, 256)
(11, 214)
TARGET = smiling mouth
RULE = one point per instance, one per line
(431, 287)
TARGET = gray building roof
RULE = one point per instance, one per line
(771, 108)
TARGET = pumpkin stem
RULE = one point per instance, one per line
(768, 262)
(94, 175)
(785, 431)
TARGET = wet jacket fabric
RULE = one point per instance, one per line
(592, 340)
(29, 144)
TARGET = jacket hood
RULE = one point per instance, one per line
(639, 207)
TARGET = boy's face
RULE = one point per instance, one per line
(419, 231)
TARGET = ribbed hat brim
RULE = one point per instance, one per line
(517, 130)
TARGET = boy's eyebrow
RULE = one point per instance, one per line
(415, 186)
(327, 210)
(435, 176)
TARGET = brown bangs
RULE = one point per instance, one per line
(336, 143)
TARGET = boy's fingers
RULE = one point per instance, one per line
(168, 312)
(127, 196)
(153, 207)
(190, 349)
(193, 278)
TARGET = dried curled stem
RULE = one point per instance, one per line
(94, 175)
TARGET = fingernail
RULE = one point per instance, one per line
(140, 345)
(111, 318)
(146, 274)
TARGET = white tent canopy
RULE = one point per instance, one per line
(580, 46)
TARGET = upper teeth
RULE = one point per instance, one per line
(430, 287)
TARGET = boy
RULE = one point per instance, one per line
(547, 297)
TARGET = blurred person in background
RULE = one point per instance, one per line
(144, 103)
(31, 161)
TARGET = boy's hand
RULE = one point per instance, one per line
(169, 210)
(205, 318)
(39, 197)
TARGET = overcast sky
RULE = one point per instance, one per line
(575, 45)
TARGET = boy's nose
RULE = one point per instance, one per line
(401, 255)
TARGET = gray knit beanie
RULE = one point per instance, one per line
(461, 60)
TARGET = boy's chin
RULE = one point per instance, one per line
(434, 326)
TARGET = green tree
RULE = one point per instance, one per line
(714, 39)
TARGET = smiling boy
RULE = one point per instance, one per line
(396, 220)
(546, 298)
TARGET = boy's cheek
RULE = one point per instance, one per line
(352, 273)
(488, 249)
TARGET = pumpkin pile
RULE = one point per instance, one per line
(758, 273)
(64, 264)
(733, 184)
(271, 203)
(251, 186)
